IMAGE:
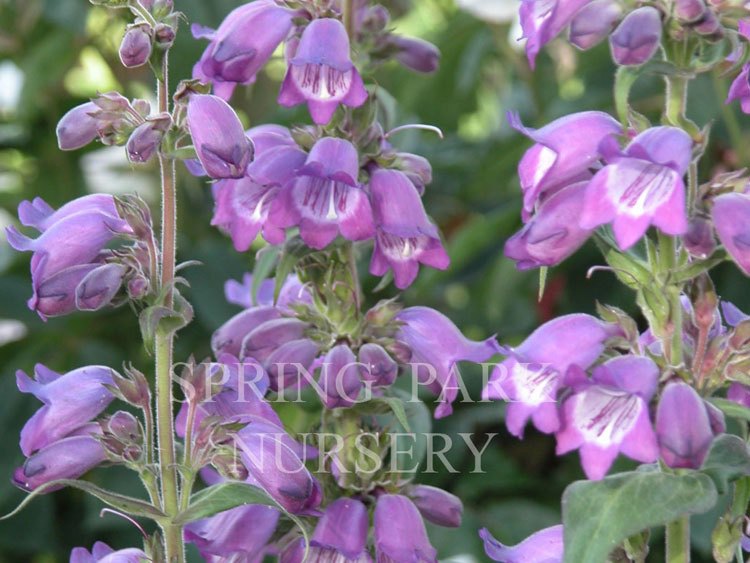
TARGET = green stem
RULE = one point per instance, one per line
(348, 17)
(667, 263)
(354, 273)
(163, 348)
(729, 116)
(678, 541)
(677, 89)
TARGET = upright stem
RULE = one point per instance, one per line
(163, 347)
(348, 17)
(678, 541)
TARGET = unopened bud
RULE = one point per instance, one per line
(164, 36)
(415, 54)
(740, 337)
(709, 26)
(146, 138)
(229, 466)
(133, 388)
(637, 37)
(135, 49)
(699, 240)
(99, 287)
(689, 11)
(705, 301)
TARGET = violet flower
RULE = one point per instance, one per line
(640, 186)
(608, 414)
(400, 534)
(136, 47)
(377, 366)
(739, 394)
(594, 22)
(241, 45)
(322, 73)
(405, 237)
(325, 199)
(552, 234)
(102, 553)
(637, 37)
(218, 136)
(740, 89)
(543, 20)
(70, 401)
(564, 152)
(415, 54)
(685, 427)
(436, 343)
(78, 127)
(241, 533)
(533, 372)
(436, 505)
(544, 546)
(340, 380)
(731, 216)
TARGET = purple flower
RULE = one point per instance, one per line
(594, 22)
(740, 89)
(340, 380)
(415, 54)
(640, 186)
(72, 244)
(637, 37)
(690, 11)
(240, 293)
(102, 553)
(145, 139)
(241, 533)
(436, 505)
(400, 534)
(731, 217)
(377, 367)
(229, 337)
(268, 336)
(70, 401)
(242, 204)
(532, 374)
(404, 237)
(699, 239)
(244, 42)
(739, 393)
(438, 345)
(340, 535)
(325, 198)
(218, 136)
(321, 72)
(685, 427)
(78, 128)
(552, 234)
(135, 49)
(543, 20)
(544, 546)
(286, 364)
(608, 414)
(68, 458)
(563, 153)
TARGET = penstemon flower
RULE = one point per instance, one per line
(400, 534)
(102, 553)
(544, 546)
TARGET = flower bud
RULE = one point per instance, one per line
(146, 138)
(135, 49)
(415, 54)
(122, 437)
(378, 367)
(262, 341)
(709, 26)
(637, 37)
(417, 168)
(436, 505)
(375, 19)
(594, 22)
(400, 534)
(133, 388)
(689, 11)
(699, 240)
(285, 364)
(78, 127)
(164, 36)
(731, 217)
(340, 378)
(100, 286)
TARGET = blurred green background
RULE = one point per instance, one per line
(55, 54)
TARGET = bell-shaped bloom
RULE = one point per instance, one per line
(70, 400)
(274, 464)
(242, 204)
(608, 414)
(532, 374)
(563, 153)
(405, 237)
(436, 505)
(68, 458)
(340, 535)
(400, 534)
(543, 20)
(640, 186)
(376, 365)
(287, 364)
(72, 244)
(241, 45)
(228, 337)
(322, 73)
(684, 426)
(740, 89)
(102, 553)
(266, 337)
(552, 234)
(340, 380)
(136, 46)
(325, 199)
(637, 37)
(544, 546)
(220, 141)
(240, 534)
(731, 218)
(594, 22)
(437, 346)
(415, 54)
(78, 127)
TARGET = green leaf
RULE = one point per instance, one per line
(128, 505)
(599, 515)
(727, 460)
(265, 261)
(381, 405)
(731, 409)
(221, 497)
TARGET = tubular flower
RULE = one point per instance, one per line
(102, 553)
(637, 37)
(544, 546)
(543, 20)
(731, 213)
(400, 534)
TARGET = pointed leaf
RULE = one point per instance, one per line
(727, 460)
(731, 409)
(221, 497)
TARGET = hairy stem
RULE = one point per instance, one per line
(678, 541)
(164, 346)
